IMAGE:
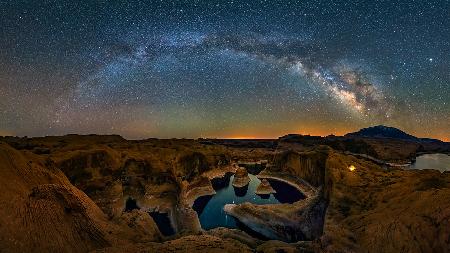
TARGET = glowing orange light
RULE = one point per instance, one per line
(351, 168)
(242, 137)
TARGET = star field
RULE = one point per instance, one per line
(224, 68)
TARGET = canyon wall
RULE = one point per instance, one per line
(309, 166)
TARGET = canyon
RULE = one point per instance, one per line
(97, 193)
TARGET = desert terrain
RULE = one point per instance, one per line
(92, 193)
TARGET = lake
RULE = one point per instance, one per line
(210, 208)
(439, 162)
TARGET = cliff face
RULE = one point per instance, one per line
(190, 165)
(41, 211)
(150, 172)
(302, 220)
(376, 210)
(372, 209)
(309, 166)
(69, 194)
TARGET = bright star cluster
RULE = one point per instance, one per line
(224, 68)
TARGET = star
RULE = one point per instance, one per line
(234, 68)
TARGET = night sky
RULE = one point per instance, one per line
(224, 68)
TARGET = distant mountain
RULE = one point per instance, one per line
(386, 132)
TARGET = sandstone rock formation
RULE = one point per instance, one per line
(40, 211)
(69, 194)
(302, 220)
(264, 188)
(190, 243)
(241, 178)
(376, 210)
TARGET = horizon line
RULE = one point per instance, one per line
(196, 138)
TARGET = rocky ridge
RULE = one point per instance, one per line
(69, 194)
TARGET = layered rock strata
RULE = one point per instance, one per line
(241, 178)
(264, 188)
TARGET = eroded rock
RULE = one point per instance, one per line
(370, 209)
(264, 188)
(241, 178)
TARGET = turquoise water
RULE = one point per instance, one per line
(439, 162)
(210, 208)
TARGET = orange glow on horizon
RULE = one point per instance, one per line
(244, 137)
(446, 139)
(275, 135)
(318, 133)
(262, 136)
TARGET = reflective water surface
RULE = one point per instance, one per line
(210, 208)
(439, 162)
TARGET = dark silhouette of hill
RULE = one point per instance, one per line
(381, 131)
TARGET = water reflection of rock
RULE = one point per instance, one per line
(221, 182)
(264, 188)
(163, 222)
(200, 203)
(210, 209)
(254, 167)
(241, 178)
(211, 214)
(285, 193)
(240, 191)
(290, 222)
